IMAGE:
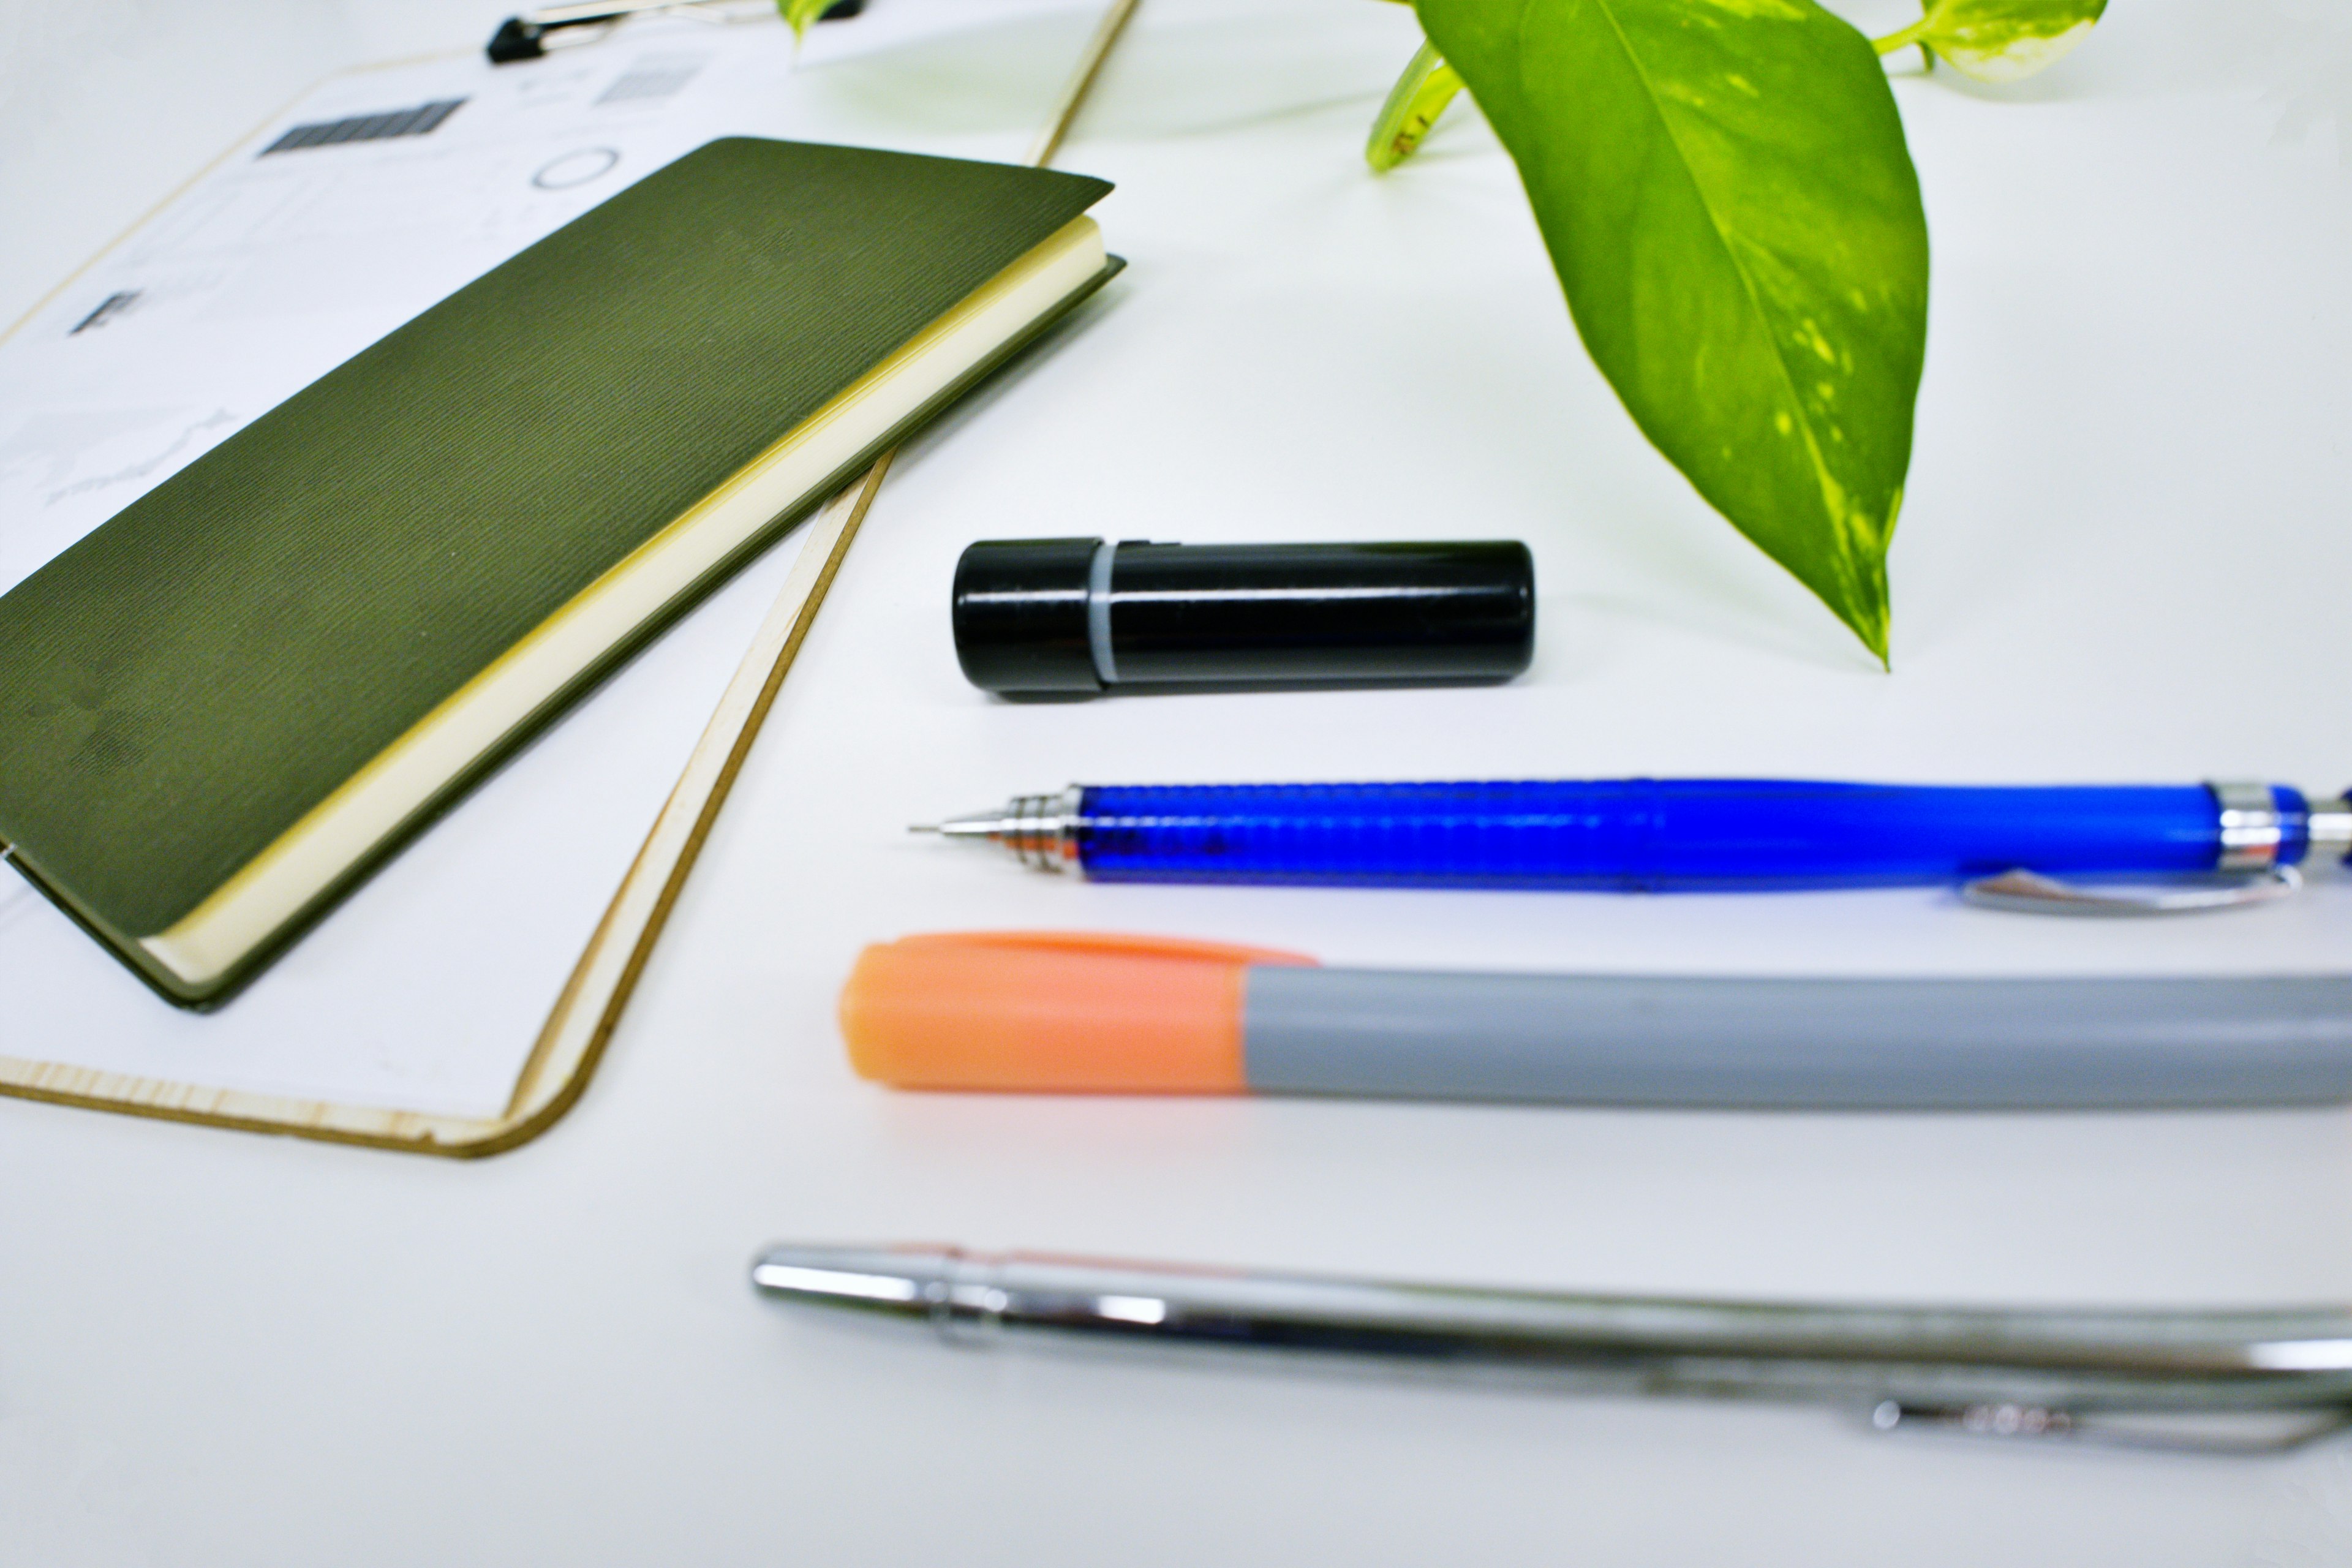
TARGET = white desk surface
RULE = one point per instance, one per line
(217, 1348)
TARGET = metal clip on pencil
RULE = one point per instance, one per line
(2185, 847)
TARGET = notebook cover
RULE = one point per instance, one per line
(186, 682)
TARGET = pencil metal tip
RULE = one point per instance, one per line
(922, 827)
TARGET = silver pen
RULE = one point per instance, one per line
(2238, 1380)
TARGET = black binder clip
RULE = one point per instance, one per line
(533, 33)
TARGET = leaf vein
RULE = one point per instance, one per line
(1828, 481)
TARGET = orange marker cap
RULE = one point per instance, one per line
(1051, 1012)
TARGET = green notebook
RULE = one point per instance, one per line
(219, 709)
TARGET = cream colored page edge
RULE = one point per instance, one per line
(574, 1033)
(273, 887)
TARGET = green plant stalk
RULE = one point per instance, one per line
(1416, 100)
(1916, 33)
(798, 14)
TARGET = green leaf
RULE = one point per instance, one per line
(1728, 199)
(801, 12)
(1999, 41)
(1416, 100)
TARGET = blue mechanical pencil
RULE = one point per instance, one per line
(2009, 843)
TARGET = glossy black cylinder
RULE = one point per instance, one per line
(1020, 611)
(1076, 617)
(1312, 613)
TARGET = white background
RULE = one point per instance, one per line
(2123, 556)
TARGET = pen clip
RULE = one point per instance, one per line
(2030, 892)
(2218, 1432)
(533, 33)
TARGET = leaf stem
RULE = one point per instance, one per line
(1416, 100)
(1916, 33)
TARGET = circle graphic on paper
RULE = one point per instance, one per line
(576, 169)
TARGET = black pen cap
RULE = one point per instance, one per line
(1077, 617)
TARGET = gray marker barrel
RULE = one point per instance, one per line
(1851, 1044)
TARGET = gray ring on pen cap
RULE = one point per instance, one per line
(1098, 611)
